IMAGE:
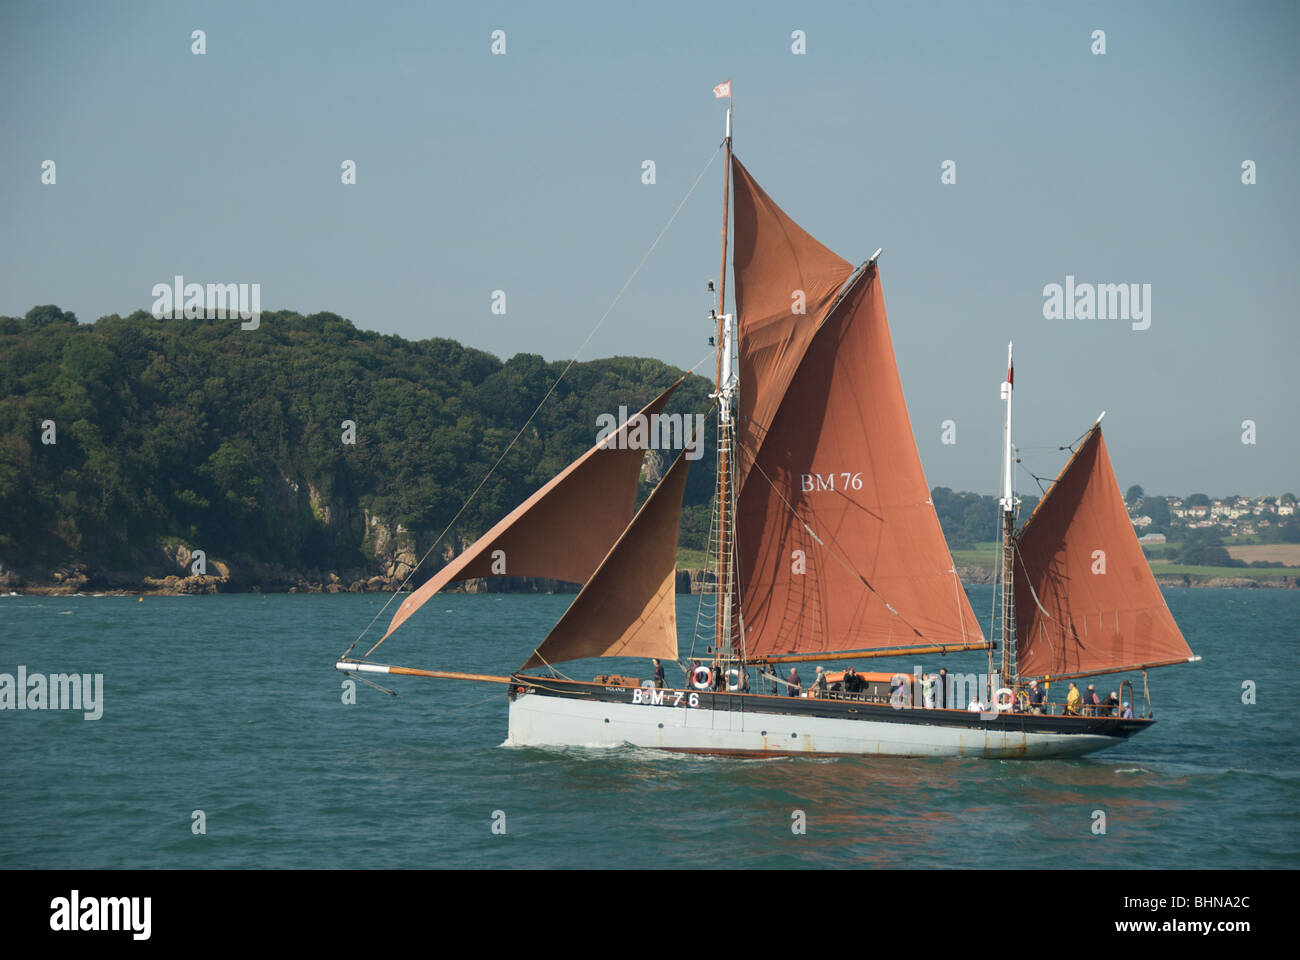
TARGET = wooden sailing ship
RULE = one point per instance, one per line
(826, 547)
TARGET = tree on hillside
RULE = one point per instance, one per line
(1158, 510)
(1135, 493)
(1197, 500)
(47, 315)
(1204, 548)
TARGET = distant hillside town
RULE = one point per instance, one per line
(1269, 518)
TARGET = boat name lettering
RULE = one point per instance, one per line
(815, 482)
(655, 698)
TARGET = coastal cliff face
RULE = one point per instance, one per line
(391, 553)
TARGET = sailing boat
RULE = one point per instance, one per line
(825, 546)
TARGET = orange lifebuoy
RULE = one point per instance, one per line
(701, 678)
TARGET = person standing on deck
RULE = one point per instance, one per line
(898, 691)
(1035, 697)
(794, 682)
(1073, 700)
(659, 673)
(927, 690)
(1090, 701)
(820, 683)
(943, 688)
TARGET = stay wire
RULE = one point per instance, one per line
(510, 446)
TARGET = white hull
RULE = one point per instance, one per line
(537, 720)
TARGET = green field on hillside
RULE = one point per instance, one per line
(1162, 569)
(692, 560)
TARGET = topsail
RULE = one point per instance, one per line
(785, 283)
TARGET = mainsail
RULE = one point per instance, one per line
(785, 283)
(1086, 601)
(564, 529)
(839, 546)
(628, 607)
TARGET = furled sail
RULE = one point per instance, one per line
(564, 529)
(839, 544)
(785, 283)
(1086, 601)
(629, 606)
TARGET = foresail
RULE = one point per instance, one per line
(629, 606)
(1086, 601)
(785, 283)
(839, 544)
(564, 529)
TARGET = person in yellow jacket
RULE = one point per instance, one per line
(1073, 701)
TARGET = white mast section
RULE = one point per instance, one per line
(1008, 494)
(725, 395)
(1008, 503)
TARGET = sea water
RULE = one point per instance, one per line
(226, 740)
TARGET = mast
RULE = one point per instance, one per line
(725, 383)
(1008, 503)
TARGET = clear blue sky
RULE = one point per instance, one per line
(523, 173)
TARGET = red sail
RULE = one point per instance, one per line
(785, 283)
(1086, 601)
(629, 606)
(563, 530)
(839, 544)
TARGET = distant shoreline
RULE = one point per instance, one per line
(688, 582)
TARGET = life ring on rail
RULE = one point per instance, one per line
(1001, 705)
(701, 678)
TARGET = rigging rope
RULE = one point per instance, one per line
(491, 470)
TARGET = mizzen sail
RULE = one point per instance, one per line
(785, 283)
(563, 530)
(839, 544)
(1086, 601)
(629, 606)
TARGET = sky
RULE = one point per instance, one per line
(523, 172)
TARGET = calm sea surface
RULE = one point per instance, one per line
(231, 705)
